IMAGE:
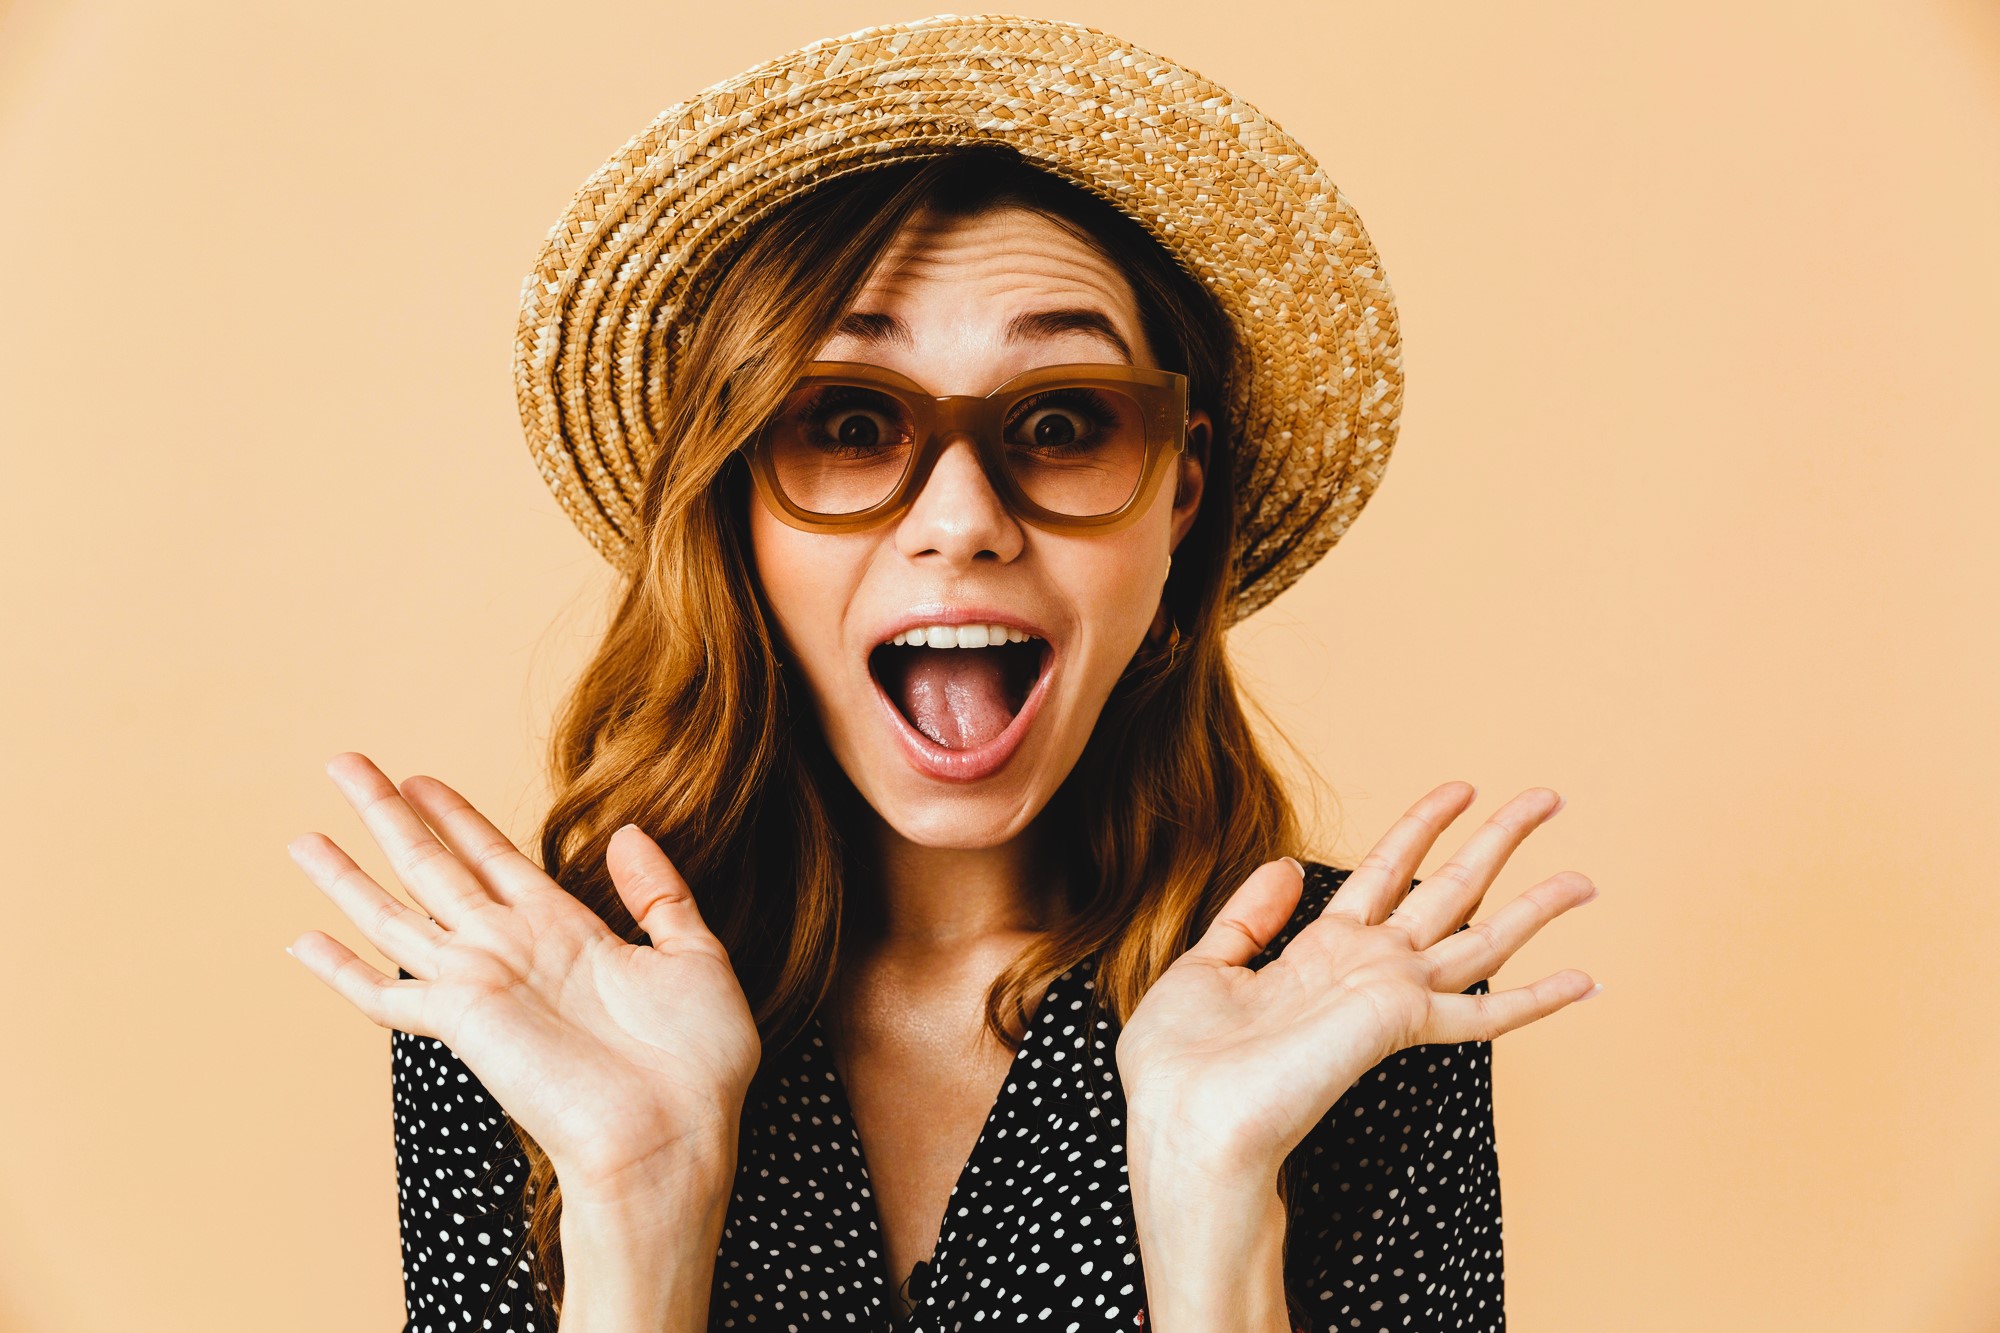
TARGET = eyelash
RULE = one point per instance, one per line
(1086, 403)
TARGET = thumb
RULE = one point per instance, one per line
(1253, 915)
(651, 889)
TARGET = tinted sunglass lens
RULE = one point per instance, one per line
(839, 448)
(1076, 449)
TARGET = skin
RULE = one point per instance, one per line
(629, 1063)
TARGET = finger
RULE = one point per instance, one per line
(401, 933)
(1456, 1018)
(1468, 955)
(1452, 892)
(387, 1003)
(1252, 916)
(654, 892)
(426, 867)
(1375, 886)
(481, 847)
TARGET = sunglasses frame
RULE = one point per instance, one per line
(939, 419)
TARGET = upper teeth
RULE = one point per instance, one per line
(960, 636)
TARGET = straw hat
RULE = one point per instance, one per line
(1317, 384)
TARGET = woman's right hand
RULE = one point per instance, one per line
(628, 1064)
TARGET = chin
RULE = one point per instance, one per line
(961, 817)
(944, 827)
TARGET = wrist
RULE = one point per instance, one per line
(641, 1256)
(681, 1177)
(1212, 1246)
(1188, 1193)
(1228, 1162)
(669, 1207)
(642, 1225)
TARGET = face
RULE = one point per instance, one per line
(963, 746)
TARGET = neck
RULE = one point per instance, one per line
(916, 898)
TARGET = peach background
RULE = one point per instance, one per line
(1692, 519)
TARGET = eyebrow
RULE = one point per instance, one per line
(885, 328)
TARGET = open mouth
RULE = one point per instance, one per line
(960, 698)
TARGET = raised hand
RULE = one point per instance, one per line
(1241, 1063)
(627, 1063)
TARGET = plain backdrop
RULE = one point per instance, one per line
(1691, 518)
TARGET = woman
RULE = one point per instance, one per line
(913, 943)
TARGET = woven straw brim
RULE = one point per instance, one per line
(1317, 384)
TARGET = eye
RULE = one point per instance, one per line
(1061, 419)
(847, 420)
(856, 430)
(1053, 429)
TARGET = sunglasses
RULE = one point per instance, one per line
(1071, 448)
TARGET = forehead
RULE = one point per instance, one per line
(1003, 278)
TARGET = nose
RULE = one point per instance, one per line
(957, 515)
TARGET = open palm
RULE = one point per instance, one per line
(1245, 1061)
(626, 1063)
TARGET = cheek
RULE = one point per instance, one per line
(805, 581)
(1115, 585)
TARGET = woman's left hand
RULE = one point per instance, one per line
(1227, 1068)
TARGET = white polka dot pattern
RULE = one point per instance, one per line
(460, 1186)
(1395, 1221)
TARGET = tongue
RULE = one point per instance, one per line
(955, 696)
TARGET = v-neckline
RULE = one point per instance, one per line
(1031, 1038)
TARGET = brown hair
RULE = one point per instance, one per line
(682, 722)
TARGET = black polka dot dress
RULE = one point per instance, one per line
(1395, 1217)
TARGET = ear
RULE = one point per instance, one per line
(1192, 469)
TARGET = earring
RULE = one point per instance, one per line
(1164, 651)
(1166, 647)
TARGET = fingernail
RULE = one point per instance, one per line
(1590, 994)
(1296, 866)
(288, 949)
(1561, 801)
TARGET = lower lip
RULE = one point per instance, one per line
(935, 761)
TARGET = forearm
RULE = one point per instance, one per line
(1211, 1238)
(641, 1263)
